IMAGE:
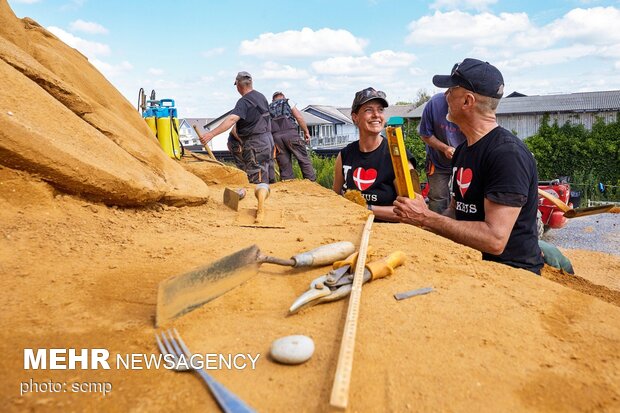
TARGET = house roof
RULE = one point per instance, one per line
(329, 111)
(343, 114)
(313, 120)
(216, 121)
(569, 102)
(198, 122)
(572, 102)
(402, 111)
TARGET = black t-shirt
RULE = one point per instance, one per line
(371, 173)
(253, 110)
(501, 168)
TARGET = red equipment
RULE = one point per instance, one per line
(552, 216)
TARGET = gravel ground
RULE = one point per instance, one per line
(595, 232)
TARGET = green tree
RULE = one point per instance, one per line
(421, 97)
(324, 168)
(415, 145)
(588, 157)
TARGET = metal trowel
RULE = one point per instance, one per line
(232, 198)
(183, 293)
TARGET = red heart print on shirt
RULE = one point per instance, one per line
(364, 178)
(463, 179)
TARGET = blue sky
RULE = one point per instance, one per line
(321, 52)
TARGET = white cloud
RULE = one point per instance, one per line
(416, 71)
(88, 48)
(546, 57)
(456, 27)
(72, 5)
(155, 72)
(462, 4)
(382, 62)
(87, 27)
(587, 25)
(272, 70)
(111, 71)
(304, 43)
(514, 39)
(213, 52)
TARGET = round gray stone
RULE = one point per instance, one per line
(292, 349)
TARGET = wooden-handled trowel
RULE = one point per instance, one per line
(181, 294)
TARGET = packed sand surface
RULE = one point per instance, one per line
(81, 268)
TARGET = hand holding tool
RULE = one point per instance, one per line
(337, 283)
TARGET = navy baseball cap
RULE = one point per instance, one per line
(474, 75)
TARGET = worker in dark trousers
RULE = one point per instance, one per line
(284, 120)
(253, 124)
(235, 148)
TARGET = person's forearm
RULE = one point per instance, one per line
(475, 234)
(222, 127)
(435, 143)
(301, 122)
(385, 213)
(304, 127)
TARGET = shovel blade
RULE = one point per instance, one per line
(183, 293)
(582, 212)
(232, 198)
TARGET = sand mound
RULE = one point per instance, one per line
(61, 120)
(83, 274)
(490, 338)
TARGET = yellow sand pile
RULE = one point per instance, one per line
(61, 120)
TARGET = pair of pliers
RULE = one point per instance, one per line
(338, 283)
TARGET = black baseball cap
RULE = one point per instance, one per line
(366, 95)
(474, 75)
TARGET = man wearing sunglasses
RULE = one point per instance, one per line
(494, 179)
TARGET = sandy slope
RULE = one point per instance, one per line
(81, 274)
(491, 338)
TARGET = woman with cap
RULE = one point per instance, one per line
(365, 165)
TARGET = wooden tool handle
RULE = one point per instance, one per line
(350, 261)
(385, 267)
(554, 200)
(261, 192)
(205, 146)
(324, 255)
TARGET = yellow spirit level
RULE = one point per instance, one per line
(396, 143)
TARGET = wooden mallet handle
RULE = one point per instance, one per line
(261, 192)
